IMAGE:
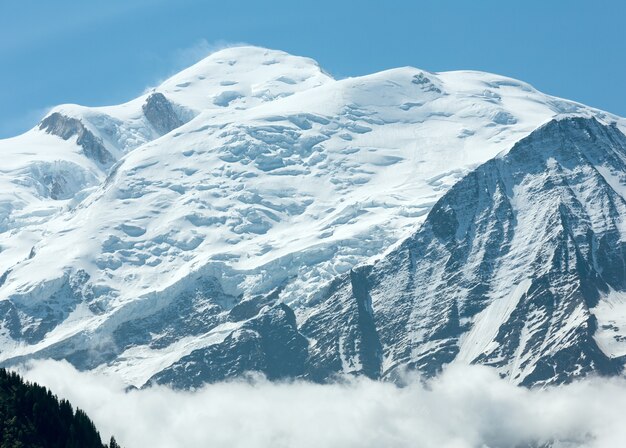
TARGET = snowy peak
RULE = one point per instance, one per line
(242, 77)
(233, 78)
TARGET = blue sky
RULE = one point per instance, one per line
(95, 52)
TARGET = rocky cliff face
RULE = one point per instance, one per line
(509, 265)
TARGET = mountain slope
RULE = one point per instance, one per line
(510, 269)
(207, 246)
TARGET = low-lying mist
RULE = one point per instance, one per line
(467, 406)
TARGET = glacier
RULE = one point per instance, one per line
(252, 213)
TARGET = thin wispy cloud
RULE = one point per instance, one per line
(466, 407)
(200, 50)
(185, 57)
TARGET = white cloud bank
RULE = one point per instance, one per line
(464, 407)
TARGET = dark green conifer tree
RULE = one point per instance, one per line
(32, 417)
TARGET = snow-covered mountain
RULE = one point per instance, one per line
(213, 225)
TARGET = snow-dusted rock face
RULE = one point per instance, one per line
(244, 192)
(160, 113)
(66, 127)
(511, 263)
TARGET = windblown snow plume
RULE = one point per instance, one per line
(464, 407)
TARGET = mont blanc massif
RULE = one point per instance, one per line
(254, 214)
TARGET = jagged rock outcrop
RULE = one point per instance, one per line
(160, 113)
(68, 127)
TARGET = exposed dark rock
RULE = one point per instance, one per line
(344, 331)
(270, 344)
(160, 113)
(67, 127)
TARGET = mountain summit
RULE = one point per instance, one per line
(253, 213)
